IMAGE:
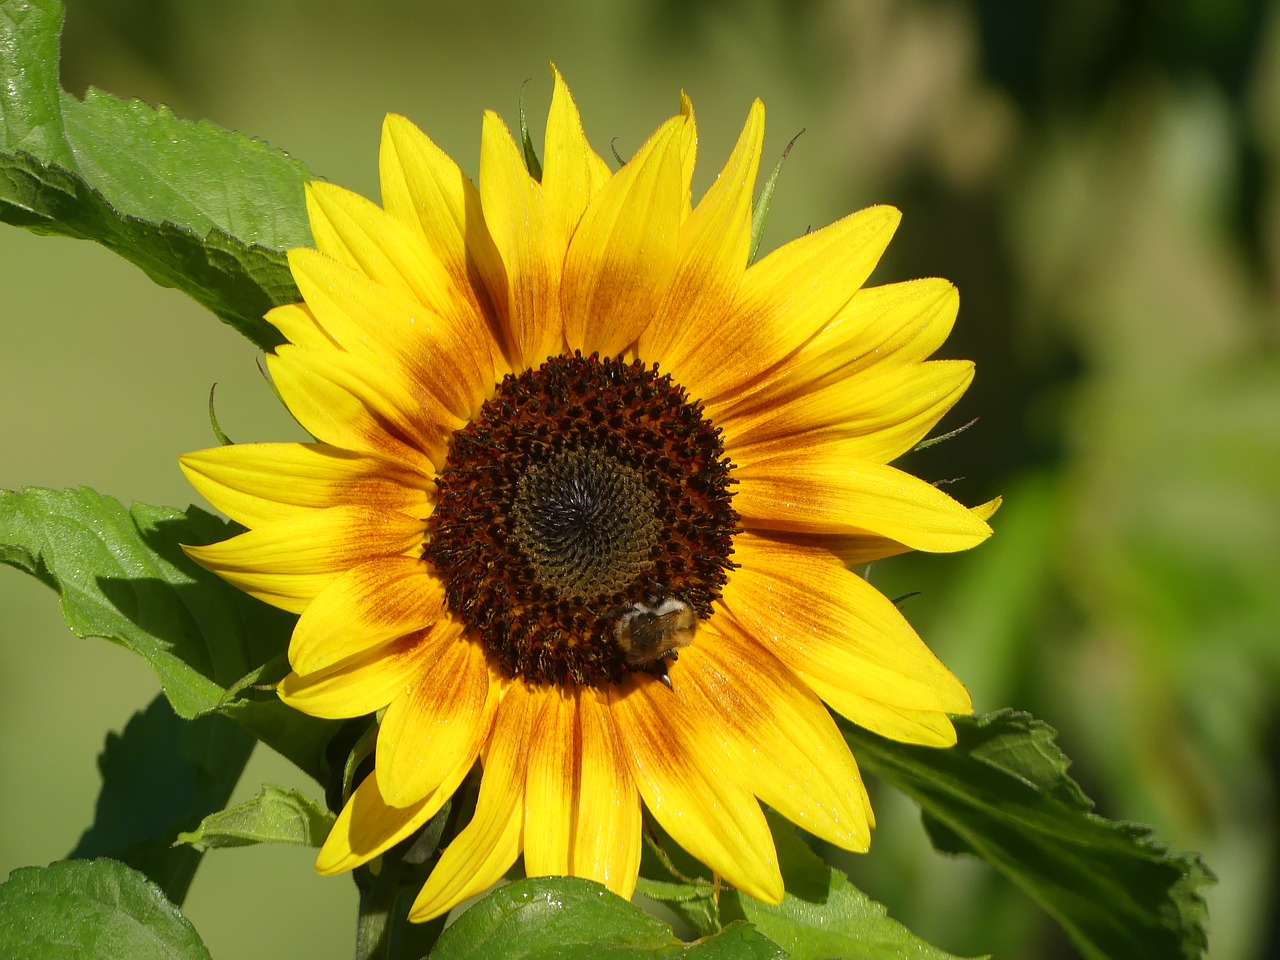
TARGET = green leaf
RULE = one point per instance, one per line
(275, 815)
(566, 918)
(1003, 794)
(122, 576)
(197, 207)
(91, 910)
(160, 777)
(822, 914)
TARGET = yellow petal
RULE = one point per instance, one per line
(426, 191)
(260, 483)
(369, 826)
(790, 295)
(779, 730)
(878, 415)
(854, 551)
(445, 357)
(834, 630)
(289, 562)
(490, 843)
(623, 254)
(714, 245)
(606, 834)
(822, 489)
(572, 173)
(551, 788)
(926, 728)
(299, 326)
(581, 796)
(693, 787)
(361, 236)
(345, 401)
(531, 241)
(898, 322)
(368, 682)
(365, 607)
(438, 724)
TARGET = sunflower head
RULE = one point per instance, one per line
(585, 492)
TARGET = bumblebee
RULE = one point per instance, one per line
(650, 632)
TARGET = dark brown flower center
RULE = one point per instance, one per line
(584, 491)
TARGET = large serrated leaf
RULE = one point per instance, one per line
(91, 910)
(275, 815)
(1003, 794)
(823, 914)
(160, 776)
(566, 918)
(122, 576)
(197, 207)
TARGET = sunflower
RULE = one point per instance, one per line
(583, 502)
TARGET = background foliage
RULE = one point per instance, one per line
(1101, 181)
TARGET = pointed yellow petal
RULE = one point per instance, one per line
(551, 788)
(369, 826)
(855, 550)
(444, 356)
(345, 401)
(364, 608)
(572, 173)
(531, 241)
(924, 727)
(361, 236)
(425, 190)
(792, 294)
(289, 562)
(694, 789)
(800, 764)
(260, 483)
(606, 837)
(834, 630)
(688, 155)
(822, 489)
(438, 724)
(877, 415)
(623, 254)
(299, 326)
(897, 322)
(368, 682)
(714, 244)
(490, 843)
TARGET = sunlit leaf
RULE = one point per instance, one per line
(566, 918)
(275, 815)
(1003, 794)
(91, 910)
(122, 576)
(197, 207)
(823, 914)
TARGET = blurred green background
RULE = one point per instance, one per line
(1099, 178)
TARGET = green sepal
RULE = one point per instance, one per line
(526, 144)
(760, 210)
